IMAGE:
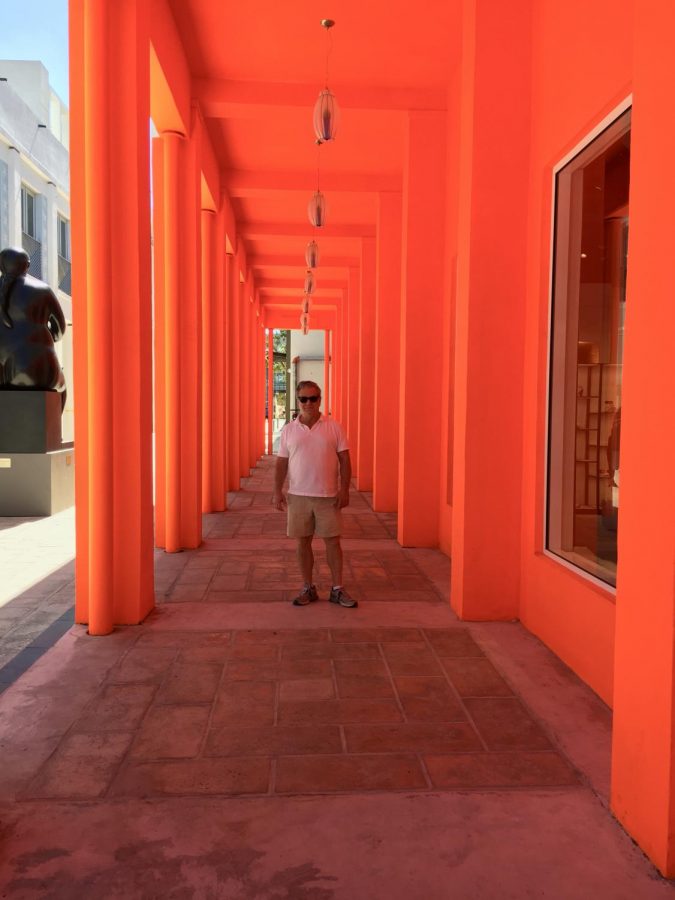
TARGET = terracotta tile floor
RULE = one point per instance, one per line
(300, 711)
(235, 745)
(306, 708)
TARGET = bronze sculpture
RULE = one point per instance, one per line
(31, 320)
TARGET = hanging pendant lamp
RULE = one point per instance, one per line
(326, 116)
(310, 282)
(316, 209)
(326, 110)
(312, 255)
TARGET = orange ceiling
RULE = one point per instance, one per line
(257, 68)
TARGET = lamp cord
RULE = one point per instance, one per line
(318, 165)
(328, 52)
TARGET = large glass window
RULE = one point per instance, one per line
(589, 303)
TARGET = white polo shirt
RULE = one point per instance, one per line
(312, 456)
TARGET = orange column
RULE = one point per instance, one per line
(343, 359)
(261, 388)
(421, 321)
(178, 359)
(166, 171)
(209, 354)
(256, 393)
(219, 367)
(351, 361)
(366, 366)
(336, 353)
(233, 371)
(190, 347)
(110, 192)
(244, 381)
(326, 372)
(490, 312)
(160, 429)
(270, 390)
(643, 735)
(387, 353)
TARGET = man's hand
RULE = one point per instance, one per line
(342, 499)
(280, 472)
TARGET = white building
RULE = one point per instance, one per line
(35, 188)
(307, 363)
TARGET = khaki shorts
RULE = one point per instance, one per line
(313, 515)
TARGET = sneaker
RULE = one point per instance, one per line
(306, 596)
(342, 597)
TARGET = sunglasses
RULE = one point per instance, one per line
(312, 399)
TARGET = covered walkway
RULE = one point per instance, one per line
(235, 746)
(476, 306)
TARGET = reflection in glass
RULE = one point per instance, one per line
(589, 303)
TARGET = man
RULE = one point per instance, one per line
(311, 450)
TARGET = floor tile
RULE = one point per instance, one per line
(307, 668)
(228, 583)
(520, 769)
(118, 707)
(245, 703)
(253, 670)
(453, 642)
(207, 776)
(338, 711)
(143, 664)
(347, 635)
(415, 737)
(331, 651)
(505, 724)
(190, 682)
(360, 667)
(281, 635)
(319, 774)
(307, 689)
(364, 686)
(411, 659)
(81, 768)
(427, 698)
(171, 732)
(273, 740)
(476, 678)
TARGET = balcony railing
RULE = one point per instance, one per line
(34, 249)
(64, 275)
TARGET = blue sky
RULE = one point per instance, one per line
(38, 29)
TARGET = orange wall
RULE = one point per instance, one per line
(581, 70)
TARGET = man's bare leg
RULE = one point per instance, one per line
(334, 555)
(334, 559)
(305, 558)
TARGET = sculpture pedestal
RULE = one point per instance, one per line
(37, 471)
(30, 421)
(37, 484)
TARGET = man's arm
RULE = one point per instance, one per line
(345, 479)
(280, 472)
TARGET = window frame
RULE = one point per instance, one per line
(585, 142)
(27, 191)
(62, 220)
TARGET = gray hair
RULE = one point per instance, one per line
(306, 384)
